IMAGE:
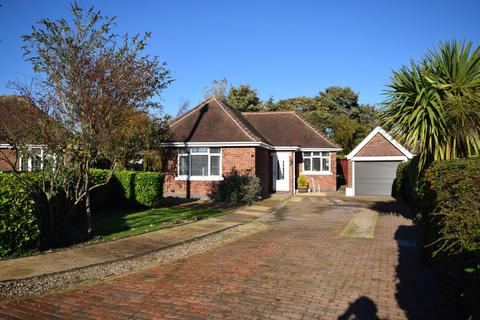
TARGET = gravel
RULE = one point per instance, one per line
(79, 277)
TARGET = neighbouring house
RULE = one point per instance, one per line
(214, 140)
(13, 116)
(372, 165)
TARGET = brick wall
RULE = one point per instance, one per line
(325, 182)
(241, 159)
(349, 181)
(6, 154)
(379, 146)
(263, 165)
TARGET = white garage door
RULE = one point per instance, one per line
(375, 177)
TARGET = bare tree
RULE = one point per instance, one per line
(183, 106)
(91, 86)
(218, 89)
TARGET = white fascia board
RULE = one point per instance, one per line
(8, 146)
(217, 144)
(286, 148)
(387, 136)
(380, 158)
(320, 149)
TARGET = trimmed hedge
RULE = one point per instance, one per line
(131, 188)
(447, 197)
(19, 226)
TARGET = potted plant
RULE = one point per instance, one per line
(302, 184)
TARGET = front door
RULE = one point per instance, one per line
(280, 172)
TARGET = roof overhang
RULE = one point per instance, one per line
(243, 144)
(217, 144)
(321, 149)
(370, 136)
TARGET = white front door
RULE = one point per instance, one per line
(281, 172)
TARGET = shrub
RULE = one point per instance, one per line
(302, 181)
(236, 188)
(19, 225)
(129, 188)
(447, 194)
(148, 188)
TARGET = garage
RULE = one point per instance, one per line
(373, 164)
(375, 177)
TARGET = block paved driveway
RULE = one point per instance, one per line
(300, 268)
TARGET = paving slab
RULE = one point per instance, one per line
(84, 256)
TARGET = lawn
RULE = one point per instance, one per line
(121, 223)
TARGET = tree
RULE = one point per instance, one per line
(434, 104)
(89, 92)
(337, 113)
(244, 98)
(218, 89)
(183, 107)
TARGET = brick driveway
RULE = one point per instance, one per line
(300, 268)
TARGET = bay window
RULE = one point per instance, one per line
(316, 162)
(199, 162)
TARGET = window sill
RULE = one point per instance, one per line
(317, 173)
(199, 178)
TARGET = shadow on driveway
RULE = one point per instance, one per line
(416, 289)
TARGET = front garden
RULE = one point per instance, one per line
(129, 204)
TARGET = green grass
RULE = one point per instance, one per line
(121, 223)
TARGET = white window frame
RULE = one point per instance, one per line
(29, 160)
(208, 177)
(321, 157)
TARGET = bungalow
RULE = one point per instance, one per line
(14, 116)
(213, 140)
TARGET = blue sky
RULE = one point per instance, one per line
(282, 48)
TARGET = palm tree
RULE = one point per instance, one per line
(434, 104)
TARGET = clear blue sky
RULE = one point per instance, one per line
(282, 48)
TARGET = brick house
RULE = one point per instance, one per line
(14, 116)
(372, 165)
(213, 140)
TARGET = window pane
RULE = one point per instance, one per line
(325, 154)
(307, 154)
(307, 164)
(316, 164)
(215, 165)
(36, 159)
(183, 166)
(325, 164)
(199, 150)
(215, 150)
(316, 153)
(24, 164)
(199, 165)
(183, 151)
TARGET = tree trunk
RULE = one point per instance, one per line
(88, 210)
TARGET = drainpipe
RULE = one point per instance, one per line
(294, 167)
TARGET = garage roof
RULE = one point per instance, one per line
(389, 138)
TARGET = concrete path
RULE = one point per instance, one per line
(95, 254)
(300, 267)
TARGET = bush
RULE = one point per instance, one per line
(129, 188)
(148, 188)
(302, 181)
(19, 225)
(238, 189)
(447, 195)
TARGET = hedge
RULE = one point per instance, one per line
(20, 210)
(447, 197)
(19, 226)
(131, 188)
